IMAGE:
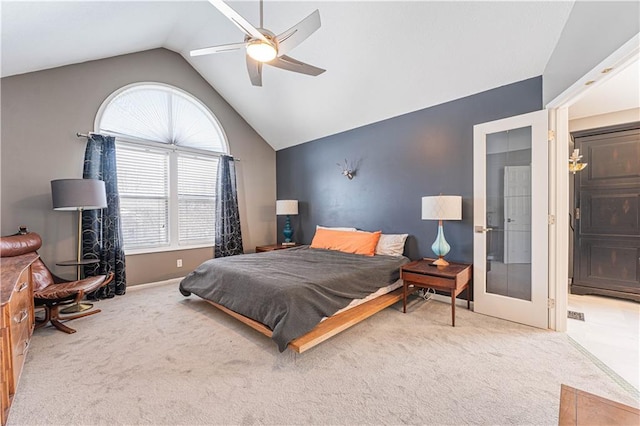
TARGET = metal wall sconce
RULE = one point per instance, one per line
(574, 162)
(348, 169)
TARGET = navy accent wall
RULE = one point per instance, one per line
(398, 160)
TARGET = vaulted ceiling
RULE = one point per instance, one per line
(383, 59)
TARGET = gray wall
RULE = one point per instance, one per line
(594, 30)
(399, 160)
(42, 111)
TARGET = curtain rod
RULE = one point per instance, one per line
(89, 134)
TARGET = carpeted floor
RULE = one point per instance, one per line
(155, 357)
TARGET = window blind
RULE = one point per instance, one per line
(165, 115)
(143, 184)
(196, 198)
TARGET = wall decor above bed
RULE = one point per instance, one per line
(348, 170)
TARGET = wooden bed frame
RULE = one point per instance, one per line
(330, 326)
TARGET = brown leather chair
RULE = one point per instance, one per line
(50, 292)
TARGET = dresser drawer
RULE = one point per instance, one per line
(426, 280)
(22, 299)
(22, 286)
(21, 322)
(20, 329)
(21, 304)
(20, 346)
(21, 315)
(23, 289)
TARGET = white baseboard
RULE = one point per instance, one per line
(154, 284)
(447, 299)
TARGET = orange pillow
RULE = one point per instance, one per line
(356, 242)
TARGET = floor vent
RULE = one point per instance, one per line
(575, 315)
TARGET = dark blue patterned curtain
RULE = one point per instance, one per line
(101, 232)
(228, 235)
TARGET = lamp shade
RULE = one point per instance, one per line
(78, 194)
(289, 207)
(442, 207)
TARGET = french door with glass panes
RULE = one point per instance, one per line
(511, 219)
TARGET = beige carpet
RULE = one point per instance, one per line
(155, 357)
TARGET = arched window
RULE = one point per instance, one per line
(167, 149)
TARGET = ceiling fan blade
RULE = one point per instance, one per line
(255, 71)
(217, 49)
(290, 64)
(298, 33)
(240, 22)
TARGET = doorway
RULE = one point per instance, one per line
(574, 105)
(576, 96)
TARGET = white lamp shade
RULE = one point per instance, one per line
(78, 194)
(289, 207)
(442, 207)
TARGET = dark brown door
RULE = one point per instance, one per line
(607, 194)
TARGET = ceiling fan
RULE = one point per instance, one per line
(264, 47)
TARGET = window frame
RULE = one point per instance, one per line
(173, 151)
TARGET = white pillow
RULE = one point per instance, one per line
(335, 228)
(391, 244)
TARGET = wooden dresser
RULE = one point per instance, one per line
(16, 323)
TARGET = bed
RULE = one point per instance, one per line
(300, 296)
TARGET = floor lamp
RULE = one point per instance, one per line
(78, 195)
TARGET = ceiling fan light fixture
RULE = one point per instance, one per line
(261, 51)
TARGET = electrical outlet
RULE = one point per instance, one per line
(179, 263)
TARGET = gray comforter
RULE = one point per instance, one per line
(290, 291)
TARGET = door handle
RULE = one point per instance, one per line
(481, 229)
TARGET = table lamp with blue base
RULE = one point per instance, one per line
(441, 207)
(287, 208)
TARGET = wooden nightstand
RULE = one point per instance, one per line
(260, 249)
(453, 278)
